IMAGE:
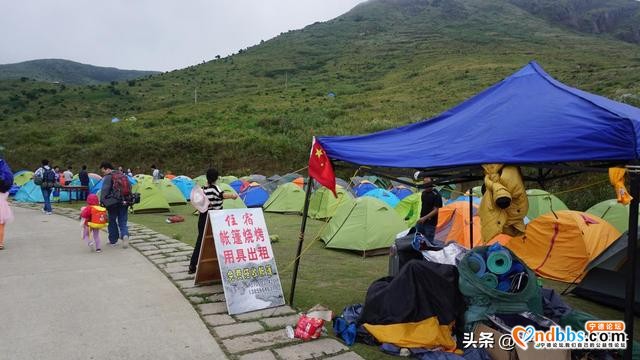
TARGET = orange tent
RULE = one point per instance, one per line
(299, 181)
(560, 245)
(169, 176)
(453, 225)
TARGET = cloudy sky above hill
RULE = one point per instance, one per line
(150, 34)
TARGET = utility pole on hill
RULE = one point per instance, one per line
(195, 96)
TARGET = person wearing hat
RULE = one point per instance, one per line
(431, 202)
(207, 198)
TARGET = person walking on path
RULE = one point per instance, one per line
(93, 219)
(45, 177)
(215, 197)
(6, 215)
(431, 203)
(84, 181)
(115, 189)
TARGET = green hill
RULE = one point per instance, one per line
(68, 72)
(389, 62)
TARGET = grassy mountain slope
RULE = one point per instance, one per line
(69, 72)
(390, 62)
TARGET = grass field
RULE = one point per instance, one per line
(332, 278)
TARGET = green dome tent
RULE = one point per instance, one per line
(365, 224)
(171, 193)
(322, 204)
(231, 203)
(614, 212)
(542, 202)
(409, 208)
(143, 177)
(287, 198)
(151, 198)
(201, 180)
(224, 179)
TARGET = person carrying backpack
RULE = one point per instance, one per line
(94, 218)
(46, 178)
(115, 195)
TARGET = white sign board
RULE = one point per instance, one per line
(247, 265)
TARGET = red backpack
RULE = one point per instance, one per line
(121, 188)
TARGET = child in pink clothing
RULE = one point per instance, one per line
(85, 214)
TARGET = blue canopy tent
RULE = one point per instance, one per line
(528, 118)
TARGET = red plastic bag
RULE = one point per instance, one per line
(308, 328)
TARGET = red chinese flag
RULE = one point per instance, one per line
(320, 167)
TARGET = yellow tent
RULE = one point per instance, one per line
(560, 245)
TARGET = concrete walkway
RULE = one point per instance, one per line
(64, 302)
(58, 300)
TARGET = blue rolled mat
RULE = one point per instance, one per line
(504, 285)
(516, 267)
(490, 280)
(477, 264)
(499, 262)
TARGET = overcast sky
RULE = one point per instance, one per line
(149, 34)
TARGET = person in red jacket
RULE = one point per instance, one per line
(93, 219)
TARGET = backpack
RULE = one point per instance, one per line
(160, 175)
(120, 187)
(48, 179)
(98, 218)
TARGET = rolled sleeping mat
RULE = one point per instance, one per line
(477, 264)
(499, 262)
(489, 280)
(504, 285)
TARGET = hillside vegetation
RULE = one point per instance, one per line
(389, 62)
(68, 72)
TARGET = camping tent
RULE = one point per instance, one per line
(453, 224)
(22, 177)
(171, 193)
(604, 280)
(384, 195)
(288, 198)
(231, 203)
(239, 185)
(258, 178)
(465, 198)
(401, 191)
(363, 187)
(201, 180)
(254, 195)
(228, 179)
(184, 184)
(143, 177)
(612, 211)
(288, 178)
(322, 204)
(542, 202)
(409, 208)
(151, 198)
(94, 189)
(560, 245)
(365, 224)
(29, 192)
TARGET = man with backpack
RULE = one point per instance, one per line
(115, 196)
(46, 178)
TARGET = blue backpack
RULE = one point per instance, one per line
(6, 176)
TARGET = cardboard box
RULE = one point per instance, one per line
(518, 354)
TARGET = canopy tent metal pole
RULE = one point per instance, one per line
(471, 218)
(630, 294)
(303, 227)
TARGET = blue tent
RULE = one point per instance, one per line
(527, 118)
(95, 187)
(363, 188)
(254, 196)
(29, 192)
(14, 189)
(236, 185)
(184, 184)
(384, 195)
(401, 192)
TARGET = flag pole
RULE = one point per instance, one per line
(632, 246)
(303, 227)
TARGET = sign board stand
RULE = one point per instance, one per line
(208, 269)
(236, 249)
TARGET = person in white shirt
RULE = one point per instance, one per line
(68, 175)
(155, 173)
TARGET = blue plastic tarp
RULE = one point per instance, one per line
(529, 117)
